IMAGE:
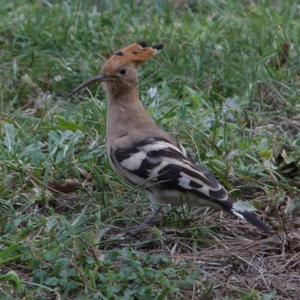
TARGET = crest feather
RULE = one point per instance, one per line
(136, 53)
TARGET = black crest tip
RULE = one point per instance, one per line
(119, 53)
(158, 46)
(143, 44)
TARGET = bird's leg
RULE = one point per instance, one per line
(150, 222)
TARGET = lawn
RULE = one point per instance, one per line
(227, 85)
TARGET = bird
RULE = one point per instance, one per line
(147, 156)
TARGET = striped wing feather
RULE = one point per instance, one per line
(157, 164)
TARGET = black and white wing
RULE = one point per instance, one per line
(159, 166)
(167, 170)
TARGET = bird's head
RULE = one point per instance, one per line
(120, 72)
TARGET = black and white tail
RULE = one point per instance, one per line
(251, 217)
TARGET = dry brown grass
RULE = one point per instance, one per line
(234, 260)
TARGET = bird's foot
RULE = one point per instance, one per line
(149, 223)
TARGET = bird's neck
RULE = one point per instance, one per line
(126, 114)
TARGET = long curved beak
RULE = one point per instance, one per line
(89, 82)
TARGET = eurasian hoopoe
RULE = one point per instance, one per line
(146, 155)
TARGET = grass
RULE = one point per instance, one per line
(226, 84)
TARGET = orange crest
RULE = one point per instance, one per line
(133, 54)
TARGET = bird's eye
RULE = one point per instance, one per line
(122, 71)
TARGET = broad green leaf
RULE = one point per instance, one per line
(34, 153)
(68, 272)
(244, 206)
(61, 144)
(51, 281)
(9, 136)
